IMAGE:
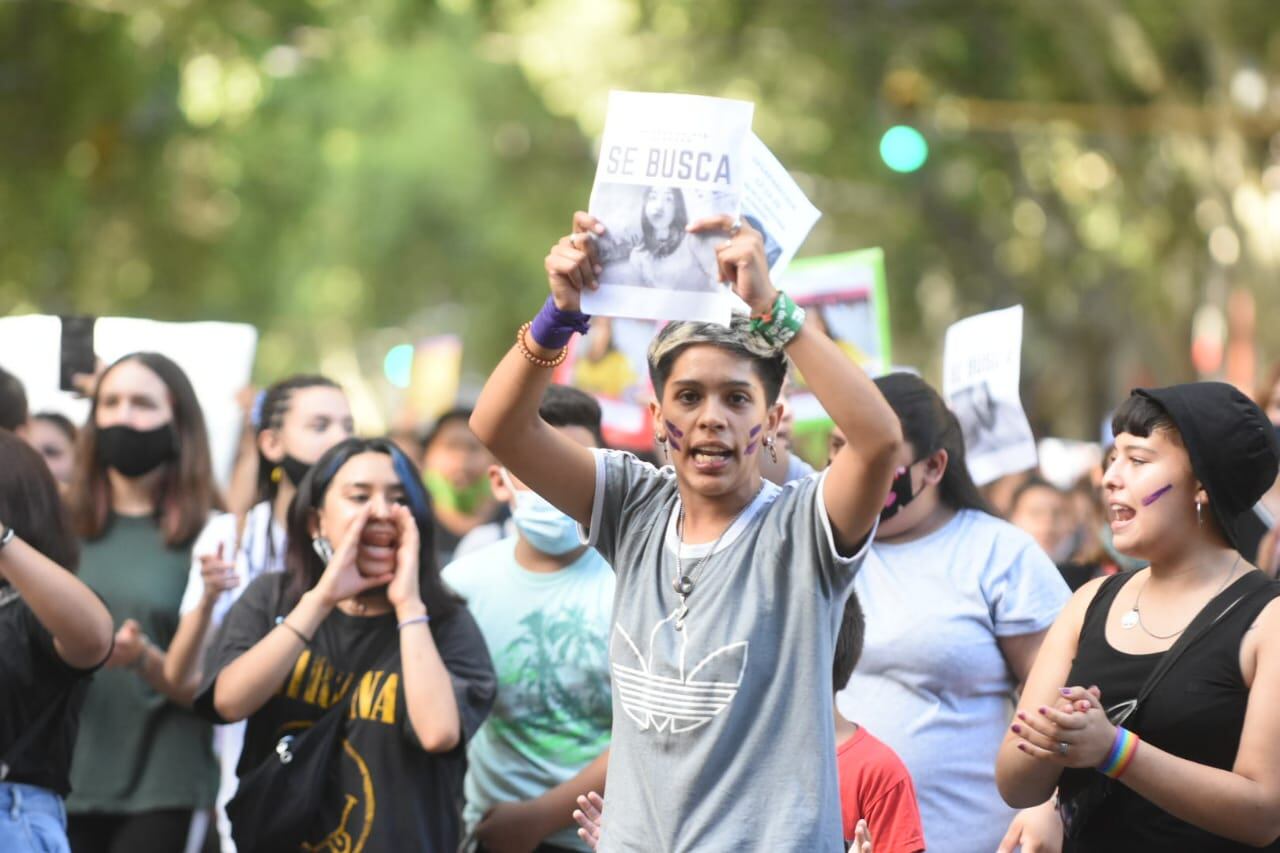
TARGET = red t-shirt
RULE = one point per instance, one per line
(875, 786)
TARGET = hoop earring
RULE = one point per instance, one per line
(323, 549)
(1199, 518)
(662, 440)
(773, 451)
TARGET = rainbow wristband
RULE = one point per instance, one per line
(1121, 755)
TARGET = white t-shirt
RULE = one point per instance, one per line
(932, 682)
(262, 548)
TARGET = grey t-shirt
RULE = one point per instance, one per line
(723, 737)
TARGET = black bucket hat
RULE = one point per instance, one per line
(1232, 445)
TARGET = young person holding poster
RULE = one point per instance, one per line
(730, 590)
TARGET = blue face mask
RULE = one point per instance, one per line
(546, 528)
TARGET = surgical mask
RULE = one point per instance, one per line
(134, 452)
(546, 528)
(465, 500)
(900, 494)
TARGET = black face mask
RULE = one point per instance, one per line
(135, 452)
(295, 469)
(899, 494)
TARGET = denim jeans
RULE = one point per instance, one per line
(32, 820)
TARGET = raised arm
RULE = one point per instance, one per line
(506, 417)
(69, 610)
(861, 471)
(182, 659)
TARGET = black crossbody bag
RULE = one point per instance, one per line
(1079, 808)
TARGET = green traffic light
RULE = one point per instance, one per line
(903, 148)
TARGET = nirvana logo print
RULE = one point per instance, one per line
(658, 691)
(355, 821)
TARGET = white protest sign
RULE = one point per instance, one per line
(982, 363)
(666, 161)
(217, 358)
(774, 205)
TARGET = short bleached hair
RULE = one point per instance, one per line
(770, 365)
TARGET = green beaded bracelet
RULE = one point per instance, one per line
(781, 324)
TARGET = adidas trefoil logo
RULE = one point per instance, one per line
(656, 691)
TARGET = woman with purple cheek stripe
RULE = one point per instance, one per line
(1151, 705)
(729, 588)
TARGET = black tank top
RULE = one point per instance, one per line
(1196, 712)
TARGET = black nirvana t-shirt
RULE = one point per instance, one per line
(395, 795)
(37, 688)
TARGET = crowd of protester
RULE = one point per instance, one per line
(506, 636)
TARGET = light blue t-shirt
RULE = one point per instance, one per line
(548, 634)
(932, 682)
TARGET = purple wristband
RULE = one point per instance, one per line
(553, 328)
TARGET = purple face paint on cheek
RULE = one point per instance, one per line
(1157, 495)
(675, 445)
(674, 430)
(754, 431)
(751, 448)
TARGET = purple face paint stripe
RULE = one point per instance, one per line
(751, 448)
(675, 445)
(754, 431)
(674, 430)
(1157, 495)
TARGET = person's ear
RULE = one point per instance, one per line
(773, 418)
(271, 445)
(655, 414)
(498, 485)
(935, 466)
(315, 527)
(1202, 496)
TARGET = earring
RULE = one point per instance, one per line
(277, 474)
(323, 549)
(1199, 518)
(773, 451)
(662, 440)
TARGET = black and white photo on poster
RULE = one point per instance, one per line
(982, 365)
(665, 162)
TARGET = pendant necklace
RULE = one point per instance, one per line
(683, 582)
(1133, 618)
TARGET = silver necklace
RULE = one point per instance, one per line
(1133, 618)
(683, 582)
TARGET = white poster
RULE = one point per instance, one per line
(666, 161)
(217, 358)
(774, 205)
(982, 363)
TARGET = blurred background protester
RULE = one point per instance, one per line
(54, 632)
(13, 403)
(1060, 522)
(455, 468)
(297, 420)
(54, 437)
(143, 490)
(957, 603)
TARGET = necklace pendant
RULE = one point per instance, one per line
(1130, 619)
(683, 585)
(680, 614)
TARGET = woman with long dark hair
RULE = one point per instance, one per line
(957, 602)
(143, 490)
(1151, 708)
(54, 632)
(666, 256)
(297, 420)
(360, 620)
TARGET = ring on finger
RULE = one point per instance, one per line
(1063, 746)
(735, 228)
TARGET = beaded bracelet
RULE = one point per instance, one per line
(1121, 755)
(781, 323)
(533, 359)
